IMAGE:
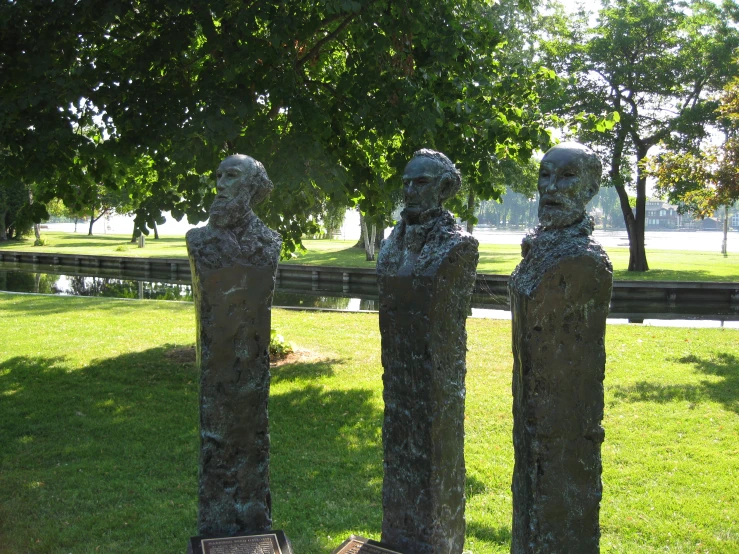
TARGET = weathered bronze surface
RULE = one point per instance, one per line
(560, 295)
(233, 262)
(361, 545)
(426, 272)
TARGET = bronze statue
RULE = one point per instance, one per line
(234, 232)
(426, 234)
(426, 273)
(560, 295)
(234, 261)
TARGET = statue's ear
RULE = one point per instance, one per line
(447, 184)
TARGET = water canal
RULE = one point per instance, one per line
(303, 294)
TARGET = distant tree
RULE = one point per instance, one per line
(333, 218)
(702, 182)
(13, 196)
(608, 201)
(518, 204)
(654, 64)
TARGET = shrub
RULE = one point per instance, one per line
(278, 347)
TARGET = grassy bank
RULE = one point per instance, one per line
(499, 259)
(98, 403)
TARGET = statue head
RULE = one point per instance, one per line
(428, 179)
(569, 177)
(242, 182)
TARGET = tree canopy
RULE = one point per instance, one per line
(331, 95)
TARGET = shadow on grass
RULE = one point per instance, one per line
(326, 463)
(500, 536)
(726, 391)
(302, 370)
(473, 486)
(39, 305)
(97, 456)
(105, 456)
(71, 240)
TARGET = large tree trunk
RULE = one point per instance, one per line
(378, 236)
(156, 231)
(134, 234)
(636, 248)
(637, 252)
(369, 240)
(637, 255)
(92, 221)
(36, 228)
(360, 242)
(3, 230)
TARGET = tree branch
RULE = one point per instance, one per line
(329, 37)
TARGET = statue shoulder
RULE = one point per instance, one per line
(449, 233)
(195, 234)
(391, 248)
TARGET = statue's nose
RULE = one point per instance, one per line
(552, 184)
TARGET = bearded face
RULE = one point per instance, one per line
(231, 179)
(233, 191)
(566, 184)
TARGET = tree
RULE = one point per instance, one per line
(607, 199)
(702, 182)
(518, 204)
(654, 64)
(355, 85)
(13, 196)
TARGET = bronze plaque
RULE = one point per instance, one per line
(253, 544)
(360, 545)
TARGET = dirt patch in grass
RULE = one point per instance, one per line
(186, 355)
(181, 354)
(297, 355)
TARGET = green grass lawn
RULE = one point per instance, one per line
(499, 259)
(99, 431)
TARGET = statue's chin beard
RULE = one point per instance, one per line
(226, 213)
(558, 217)
(416, 214)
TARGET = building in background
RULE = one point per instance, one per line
(661, 215)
